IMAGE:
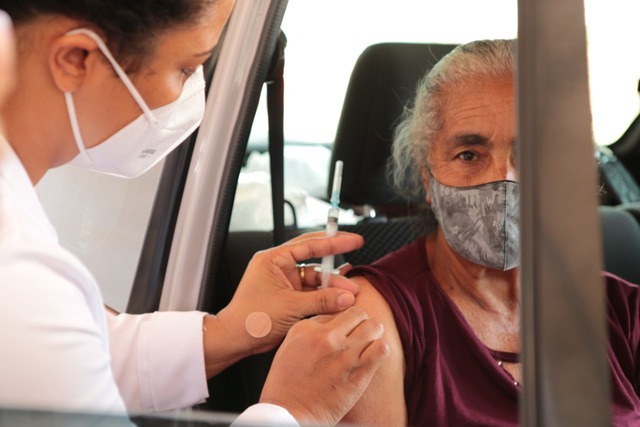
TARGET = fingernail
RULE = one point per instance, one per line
(345, 300)
(343, 266)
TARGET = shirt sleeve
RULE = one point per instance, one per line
(265, 414)
(158, 359)
(54, 347)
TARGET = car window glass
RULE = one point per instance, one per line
(102, 219)
(324, 40)
(614, 68)
(326, 37)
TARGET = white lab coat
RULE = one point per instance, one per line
(59, 350)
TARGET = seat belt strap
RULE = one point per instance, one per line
(275, 111)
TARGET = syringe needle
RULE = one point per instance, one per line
(327, 266)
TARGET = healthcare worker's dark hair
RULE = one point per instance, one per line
(130, 26)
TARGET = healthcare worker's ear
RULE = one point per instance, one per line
(71, 58)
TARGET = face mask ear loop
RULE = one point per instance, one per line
(73, 118)
(504, 229)
(119, 71)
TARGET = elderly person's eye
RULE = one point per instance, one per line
(467, 156)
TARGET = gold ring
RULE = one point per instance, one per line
(301, 272)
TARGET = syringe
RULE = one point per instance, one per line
(327, 267)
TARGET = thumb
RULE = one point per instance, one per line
(325, 301)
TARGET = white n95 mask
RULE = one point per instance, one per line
(147, 140)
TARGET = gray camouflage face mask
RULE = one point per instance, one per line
(480, 222)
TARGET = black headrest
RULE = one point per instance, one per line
(383, 80)
(621, 240)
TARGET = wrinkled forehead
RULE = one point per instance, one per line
(483, 105)
(480, 88)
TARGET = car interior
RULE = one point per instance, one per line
(382, 81)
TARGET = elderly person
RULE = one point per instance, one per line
(113, 86)
(450, 301)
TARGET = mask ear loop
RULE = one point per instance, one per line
(119, 71)
(75, 128)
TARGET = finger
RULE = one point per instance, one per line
(316, 235)
(315, 247)
(341, 282)
(284, 257)
(321, 318)
(347, 321)
(364, 334)
(338, 282)
(310, 278)
(323, 301)
(371, 358)
(345, 268)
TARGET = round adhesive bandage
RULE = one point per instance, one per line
(258, 324)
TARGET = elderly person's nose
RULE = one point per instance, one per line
(506, 170)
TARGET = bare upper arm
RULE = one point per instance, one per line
(382, 403)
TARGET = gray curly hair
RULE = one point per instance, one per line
(419, 124)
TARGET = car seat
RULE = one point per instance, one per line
(383, 81)
(621, 240)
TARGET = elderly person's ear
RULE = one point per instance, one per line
(425, 182)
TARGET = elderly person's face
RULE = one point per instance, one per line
(471, 189)
(476, 142)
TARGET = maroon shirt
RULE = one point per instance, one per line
(452, 378)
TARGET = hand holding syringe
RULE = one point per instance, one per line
(327, 266)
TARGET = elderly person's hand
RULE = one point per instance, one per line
(7, 56)
(273, 295)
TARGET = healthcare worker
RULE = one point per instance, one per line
(99, 82)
